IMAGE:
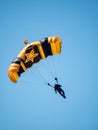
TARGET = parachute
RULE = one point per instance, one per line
(33, 53)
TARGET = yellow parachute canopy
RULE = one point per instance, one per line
(32, 54)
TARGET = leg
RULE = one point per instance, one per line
(61, 92)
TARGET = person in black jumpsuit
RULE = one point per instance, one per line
(57, 88)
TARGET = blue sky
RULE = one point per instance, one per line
(31, 104)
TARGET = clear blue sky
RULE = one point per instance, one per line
(31, 104)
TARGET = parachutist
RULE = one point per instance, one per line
(57, 88)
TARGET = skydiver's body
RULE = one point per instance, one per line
(57, 88)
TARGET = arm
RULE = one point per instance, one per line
(56, 91)
(56, 79)
(50, 85)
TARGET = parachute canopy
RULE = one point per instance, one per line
(32, 54)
